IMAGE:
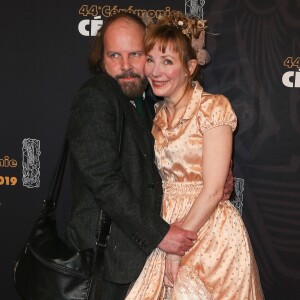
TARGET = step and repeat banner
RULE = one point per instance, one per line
(255, 61)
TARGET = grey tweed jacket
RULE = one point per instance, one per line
(124, 183)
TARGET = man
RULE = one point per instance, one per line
(112, 160)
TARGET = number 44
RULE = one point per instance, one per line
(291, 62)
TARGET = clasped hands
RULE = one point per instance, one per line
(175, 244)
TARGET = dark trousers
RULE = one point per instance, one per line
(113, 291)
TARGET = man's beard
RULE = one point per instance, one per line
(132, 89)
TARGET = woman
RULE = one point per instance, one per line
(193, 147)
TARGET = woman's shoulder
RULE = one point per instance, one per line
(214, 99)
(215, 110)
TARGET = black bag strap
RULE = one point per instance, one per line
(50, 203)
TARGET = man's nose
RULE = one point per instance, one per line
(126, 64)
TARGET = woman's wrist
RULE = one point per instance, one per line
(173, 257)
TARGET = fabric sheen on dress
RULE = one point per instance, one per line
(221, 264)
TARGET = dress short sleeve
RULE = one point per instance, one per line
(216, 110)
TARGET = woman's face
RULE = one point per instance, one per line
(166, 73)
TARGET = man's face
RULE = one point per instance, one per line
(124, 57)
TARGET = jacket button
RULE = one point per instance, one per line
(151, 185)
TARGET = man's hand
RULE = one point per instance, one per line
(228, 188)
(177, 240)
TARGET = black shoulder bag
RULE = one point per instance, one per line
(47, 269)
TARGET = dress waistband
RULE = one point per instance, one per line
(186, 187)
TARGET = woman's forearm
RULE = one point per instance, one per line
(202, 209)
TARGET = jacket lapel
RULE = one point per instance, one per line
(137, 126)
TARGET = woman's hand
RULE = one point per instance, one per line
(171, 270)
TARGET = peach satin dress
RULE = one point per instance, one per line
(221, 265)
